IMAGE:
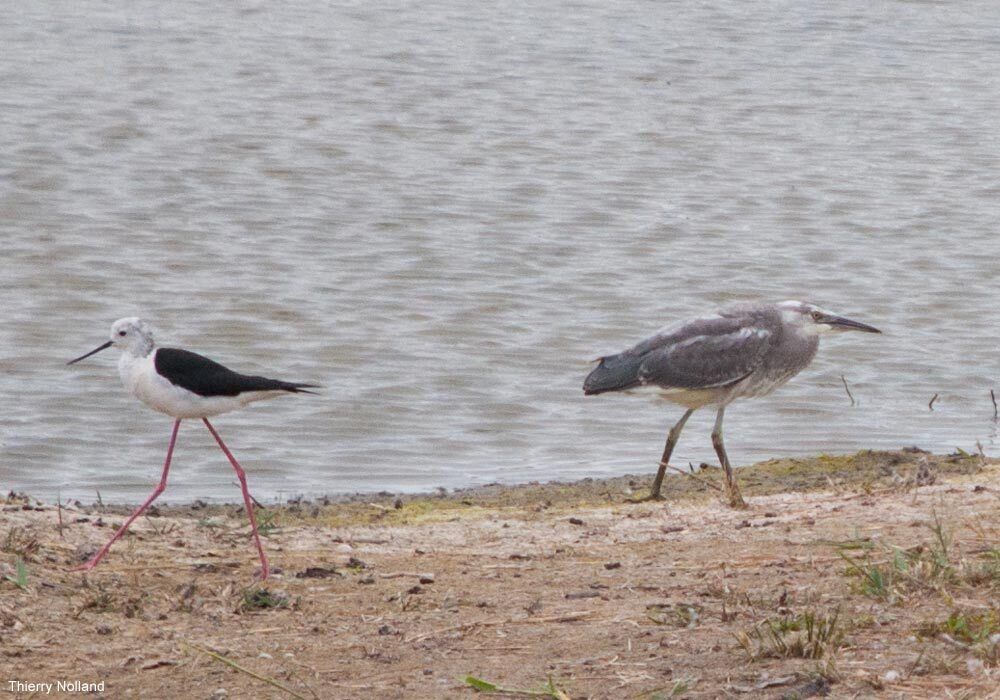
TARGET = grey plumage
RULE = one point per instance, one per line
(741, 351)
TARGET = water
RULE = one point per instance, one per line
(442, 210)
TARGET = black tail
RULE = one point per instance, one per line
(614, 373)
(296, 388)
(244, 382)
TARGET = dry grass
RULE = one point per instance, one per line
(870, 575)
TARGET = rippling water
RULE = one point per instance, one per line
(442, 210)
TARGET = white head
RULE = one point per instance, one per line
(810, 319)
(131, 335)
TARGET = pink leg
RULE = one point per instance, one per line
(159, 489)
(264, 570)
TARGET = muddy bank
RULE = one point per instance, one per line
(870, 575)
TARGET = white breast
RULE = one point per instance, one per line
(142, 381)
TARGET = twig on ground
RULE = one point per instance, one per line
(849, 394)
(931, 404)
(256, 503)
(59, 507)
(954, 642)
(563, 617)
(695, 477)
(456, 628)
(233, 665)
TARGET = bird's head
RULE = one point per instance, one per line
(812, 320)
(130, 335)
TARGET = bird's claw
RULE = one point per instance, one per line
(736, 501)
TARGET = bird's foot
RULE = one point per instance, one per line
(92, 562)
(736, 501)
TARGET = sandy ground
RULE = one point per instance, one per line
(874, 575)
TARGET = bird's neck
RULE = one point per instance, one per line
(130, 368)
(142, 347)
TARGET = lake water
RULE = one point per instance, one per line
(441, 211)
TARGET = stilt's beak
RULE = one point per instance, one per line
(92, 352)
(839, 323)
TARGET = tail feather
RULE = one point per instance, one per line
(297, 388)
(256, 383)
(614, 373)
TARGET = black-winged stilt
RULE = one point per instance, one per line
(184, 384)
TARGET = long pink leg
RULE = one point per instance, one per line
(159, 489)
(264, 569)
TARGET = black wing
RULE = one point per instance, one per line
(206, 377)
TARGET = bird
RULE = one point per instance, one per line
(184, 384)
(743, 350)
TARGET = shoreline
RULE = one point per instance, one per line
(566, 588)
(781, 475)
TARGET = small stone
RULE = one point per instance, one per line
(891, 676)
(976, 667)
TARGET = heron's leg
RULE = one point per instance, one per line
(241, 475)
(672, 438)
(735, 498)
(93, 561)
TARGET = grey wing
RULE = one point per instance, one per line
(707, 360)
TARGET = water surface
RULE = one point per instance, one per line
(441, 211)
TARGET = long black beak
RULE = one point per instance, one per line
(845, 324)
(92, 352)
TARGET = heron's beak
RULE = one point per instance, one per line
(839, 323)
(92, 352)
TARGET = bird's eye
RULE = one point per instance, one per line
(816, 316)
(123, 333)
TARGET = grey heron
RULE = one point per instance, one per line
(741, 351)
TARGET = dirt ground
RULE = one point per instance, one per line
(872, 575)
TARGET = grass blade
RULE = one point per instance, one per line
(235, 666)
